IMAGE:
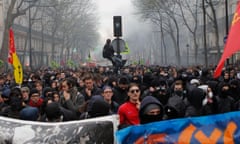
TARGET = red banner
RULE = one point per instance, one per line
(12, 48)
(233, 42)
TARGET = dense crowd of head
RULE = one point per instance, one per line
(139, 94)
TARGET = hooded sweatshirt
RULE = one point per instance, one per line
(144, 118)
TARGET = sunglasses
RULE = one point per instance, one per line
(134, 90)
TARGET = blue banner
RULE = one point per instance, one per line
(214, 129)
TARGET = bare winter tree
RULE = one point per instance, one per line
(189, 14)
(75, 24)
(164, 14)
(213, 19)
(15, 9)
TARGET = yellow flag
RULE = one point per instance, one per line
(14, 60)
(18, 73)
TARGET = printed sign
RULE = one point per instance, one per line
(90, 131)
(214, 129)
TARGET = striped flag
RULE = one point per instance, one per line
(14, 60)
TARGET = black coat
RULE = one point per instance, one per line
(175, 107)
(144, 103)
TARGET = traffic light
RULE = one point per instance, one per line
(117, 26)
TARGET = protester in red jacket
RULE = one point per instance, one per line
(128, 111)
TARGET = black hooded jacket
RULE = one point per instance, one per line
(175, 107)
(147, 119)
(195, 99)
(96, 107)
(225, 103)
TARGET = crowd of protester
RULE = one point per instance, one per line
(139, 94)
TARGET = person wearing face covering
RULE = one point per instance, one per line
(195, 102)
(178, 89)
(151, 110)
(235, 89)
(225, 103)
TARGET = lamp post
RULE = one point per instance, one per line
(204, 34)
(187, 54)
(30, 37)
(226, 16)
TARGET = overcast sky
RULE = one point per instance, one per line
(109, 8)
(133, 30)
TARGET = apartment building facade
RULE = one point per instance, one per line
(41, 40)
(220, 9)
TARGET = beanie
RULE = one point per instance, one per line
(33, 91)
(29, 113)
(123, 80)
(6, 93)
(106, 87)
(150, 107)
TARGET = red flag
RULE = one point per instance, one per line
(233, 42)
(12, 48)
(14, 60)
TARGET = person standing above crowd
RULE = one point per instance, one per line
(108, 51)
(129, 111)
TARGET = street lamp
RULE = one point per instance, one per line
(226, 13)
(30, 38)
(32, 3)
(204, 33)
(187, 54)
(30, 32)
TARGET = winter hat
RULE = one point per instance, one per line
(150, 107)
(195, 81)
(147, 78)
(46, 90)
(155, 83)
(6, 93)
(123, 80)
(137, 79)
(106, 87)
(34, 91)
(29, 113)
(234, 82)
(99, 108)
(53, 111)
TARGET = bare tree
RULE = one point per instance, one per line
(164, 14)
(213, 19)
(74, 22)
(15, 9)
(189, 14)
